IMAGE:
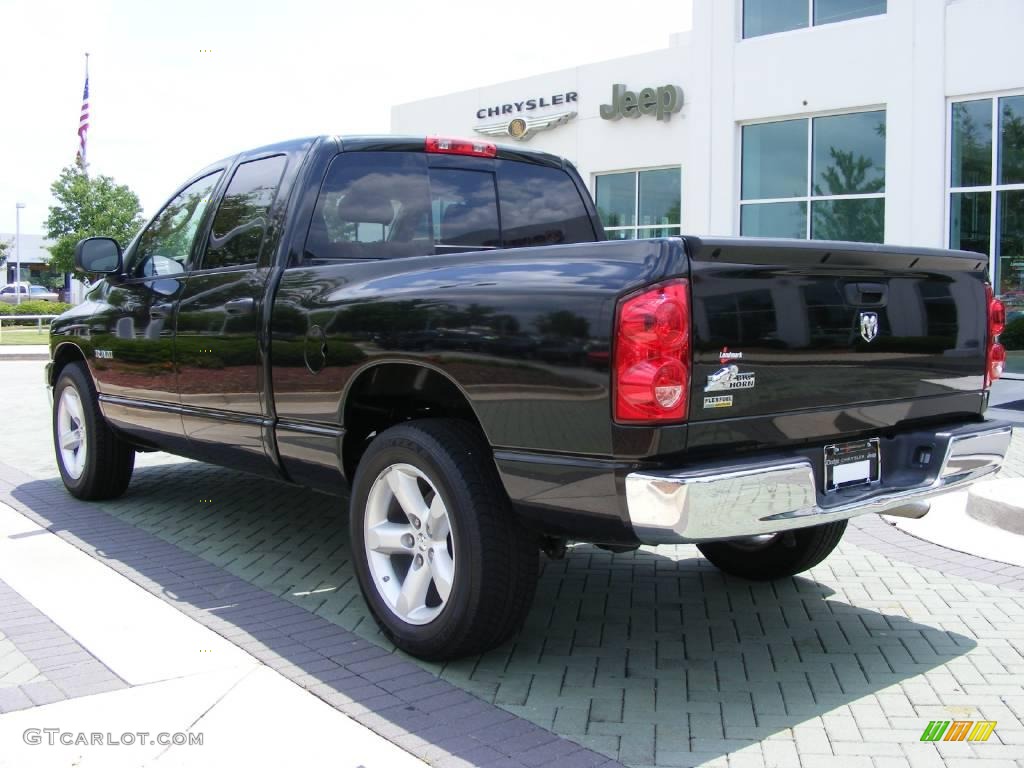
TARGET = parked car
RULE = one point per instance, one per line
(9, 293)
(329, 312)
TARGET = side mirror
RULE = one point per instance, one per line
(98, 255)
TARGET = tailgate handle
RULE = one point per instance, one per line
(867, 294)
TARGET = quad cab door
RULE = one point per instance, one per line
(133, 338)
(219, 343)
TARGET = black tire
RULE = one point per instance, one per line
(495, 558)
(108, 463)
(785, 554)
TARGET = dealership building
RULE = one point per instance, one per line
(898, 122)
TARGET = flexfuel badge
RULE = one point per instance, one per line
(720, 401)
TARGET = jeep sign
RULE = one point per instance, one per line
(662, 102)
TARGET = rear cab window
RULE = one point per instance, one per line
(464, 209)
(379, 205)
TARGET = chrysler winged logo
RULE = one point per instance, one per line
(522, 128)
(868, 325)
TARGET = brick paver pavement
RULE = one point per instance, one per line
(39, 662)
(15, 668)
(654, 658)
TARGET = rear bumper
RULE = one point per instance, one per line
(760, 497)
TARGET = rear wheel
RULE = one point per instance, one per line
(94, 462)
(444, 565)
(774, 556)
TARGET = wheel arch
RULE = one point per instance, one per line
(63, 354)
(384, 393)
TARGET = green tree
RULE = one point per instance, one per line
(860, 220)
(88, 207)
(5, 250)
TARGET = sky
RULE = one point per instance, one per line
(178, 84)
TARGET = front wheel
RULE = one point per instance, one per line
(774, 556)
(94, 462)
(443, 563)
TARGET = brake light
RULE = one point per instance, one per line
(471, 147)
(652, 355)
(995, 357)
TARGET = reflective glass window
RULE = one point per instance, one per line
(616, 199)
(972, 143)
(849, 154)
(372, 205)
(659, 196)
(243, 217)
(166, 244)
(970, 221)
(540, 206)
(764, 17)
(860, 220)
(775, 160)
(831, 11)
(1011, 140)
(774, 220)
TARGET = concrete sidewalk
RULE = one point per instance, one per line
(24, 352)
(949, 525)
(99, 661)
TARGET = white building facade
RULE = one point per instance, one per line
(897, 121)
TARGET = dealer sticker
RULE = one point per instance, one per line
(721, 401)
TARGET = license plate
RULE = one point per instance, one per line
(855, 463)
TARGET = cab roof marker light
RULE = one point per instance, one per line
(444, 145)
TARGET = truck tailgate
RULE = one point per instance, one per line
(783, 326)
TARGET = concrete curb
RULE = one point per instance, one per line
(24, 352)
(999, 503)
(19, 356)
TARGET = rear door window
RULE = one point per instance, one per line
(243, 217)
(464, 209)
(540, 206)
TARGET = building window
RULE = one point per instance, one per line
(766, 17)
(986, 187)
(639, 204)
(821, 178)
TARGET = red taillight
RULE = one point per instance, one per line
(652, 355)
(995, 357)
(472, 147)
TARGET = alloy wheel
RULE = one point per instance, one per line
(71, 433)
(409, 544)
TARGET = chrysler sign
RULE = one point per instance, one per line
(526, 105)
(518, 120)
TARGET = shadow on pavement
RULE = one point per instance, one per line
(646, 658)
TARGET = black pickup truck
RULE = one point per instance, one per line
(438, 330)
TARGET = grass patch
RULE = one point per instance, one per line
(22, 335)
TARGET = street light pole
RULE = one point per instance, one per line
(17, 252)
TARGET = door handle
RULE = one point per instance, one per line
(240, 306)
(160, 311)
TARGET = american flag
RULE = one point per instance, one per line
(83, 123)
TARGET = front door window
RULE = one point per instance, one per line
(165, 246)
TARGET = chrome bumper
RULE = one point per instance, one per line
(768, 497)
